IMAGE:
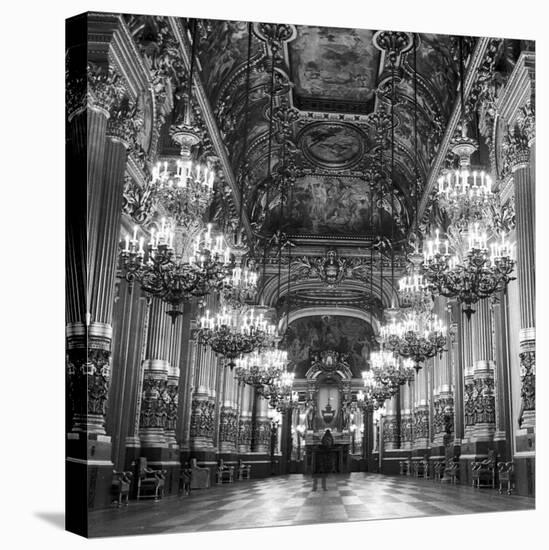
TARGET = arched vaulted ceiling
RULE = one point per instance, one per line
(329, 89)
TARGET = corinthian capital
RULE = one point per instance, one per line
(516, 151)
(125, 121)
(526, 121)
(104, 88)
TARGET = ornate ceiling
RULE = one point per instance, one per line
(298, 121)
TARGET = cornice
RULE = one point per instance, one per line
(438, 163)
(211, 124)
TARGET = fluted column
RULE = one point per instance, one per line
(455, 363)
(130, 315)
(521, 141)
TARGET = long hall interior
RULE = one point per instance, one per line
(300, 281)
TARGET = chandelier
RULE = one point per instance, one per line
(260, 368)
(184, 188)
(279, 393)
(240, 286)
(376, 393)
(163, 274)
(417, 336)
(390, 370)
(473, 271)
(232, 333)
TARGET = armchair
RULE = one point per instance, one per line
(223, 473)
(150, 482)
(484, 472)
(244, 470)
(438, 470)
(185, 477)
(404, 467)
(200, 477)
(421, 468)
(121, 482)
(451, 471)
(506, 474)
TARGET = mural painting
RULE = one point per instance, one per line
(323, 332)
(334, 63)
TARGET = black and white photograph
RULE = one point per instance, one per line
(300, 274)
(272, 279)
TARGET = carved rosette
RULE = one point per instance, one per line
(88, 375)
(202, 419)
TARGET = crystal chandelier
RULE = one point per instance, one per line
(390, 370)
(376, 393)
(260, 368)
(184, 188)
(417, 336)
(473, 271)
(240, 286)
(161, 273)
(232, 333)
(279, 392)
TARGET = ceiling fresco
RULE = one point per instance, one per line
(335, 64)
(329, 332)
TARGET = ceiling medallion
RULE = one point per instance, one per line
(335, 145)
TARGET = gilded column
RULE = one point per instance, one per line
(228, 418)
(469, 393)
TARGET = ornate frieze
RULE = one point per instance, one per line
(421, 423)
(88, 381)
(202, 418)
(406, 428)
(245, 432)
(390, 430)
(139, 202)
(528, 382)
(228, 425)
(262, 434)
(154, 405)
(484, 402)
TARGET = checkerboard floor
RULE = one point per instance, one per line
(291, 500)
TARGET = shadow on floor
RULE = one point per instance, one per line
(57, 519)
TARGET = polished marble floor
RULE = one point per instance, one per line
(291, 500)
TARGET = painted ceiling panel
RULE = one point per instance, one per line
(337, 64)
